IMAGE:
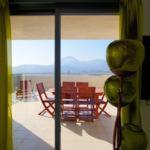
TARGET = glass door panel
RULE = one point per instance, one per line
(84, 39)
(33, 63)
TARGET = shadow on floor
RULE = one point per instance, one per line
(101, 129)
(24, 139)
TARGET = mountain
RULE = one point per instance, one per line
(69, 60)
(33, 69)
(69, 65)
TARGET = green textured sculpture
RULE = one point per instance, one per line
(133, 138)
(112, 88)
(125, 57)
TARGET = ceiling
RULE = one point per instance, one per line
(72, 27)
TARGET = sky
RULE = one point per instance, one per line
(41, 52)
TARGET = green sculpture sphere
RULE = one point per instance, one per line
(125, 57)
(133, 138)
(112, 88)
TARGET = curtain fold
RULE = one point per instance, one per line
(131, 27)
(5, 78)
(131, 19)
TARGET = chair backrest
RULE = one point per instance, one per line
(99, 96)
(102, 97)
(86, 92)
(41, 91)
(82, 84)
(68, 84)
(24, 85)
(68, 93)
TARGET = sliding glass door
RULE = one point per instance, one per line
(53, 49)
(84, 40)
(33, 63)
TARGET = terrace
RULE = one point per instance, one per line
(32, 131)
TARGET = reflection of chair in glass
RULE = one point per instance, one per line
(24, 90)
(68, 103)
(86, 103)
(47, 102)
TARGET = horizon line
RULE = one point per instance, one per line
(61, 58)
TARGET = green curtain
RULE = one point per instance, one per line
(131, 27)
(5, 78)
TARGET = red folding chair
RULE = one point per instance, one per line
(82, 84)
(47, 102)
(68, 103)
(86, 103)
(101, 104)
(68, 84)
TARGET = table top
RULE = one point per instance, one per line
(98, 91)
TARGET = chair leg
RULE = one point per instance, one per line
(103, 110)
(46, 109)
(42, 112)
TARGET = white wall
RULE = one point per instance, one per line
(146, 4)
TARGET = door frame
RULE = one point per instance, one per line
(105, 8)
